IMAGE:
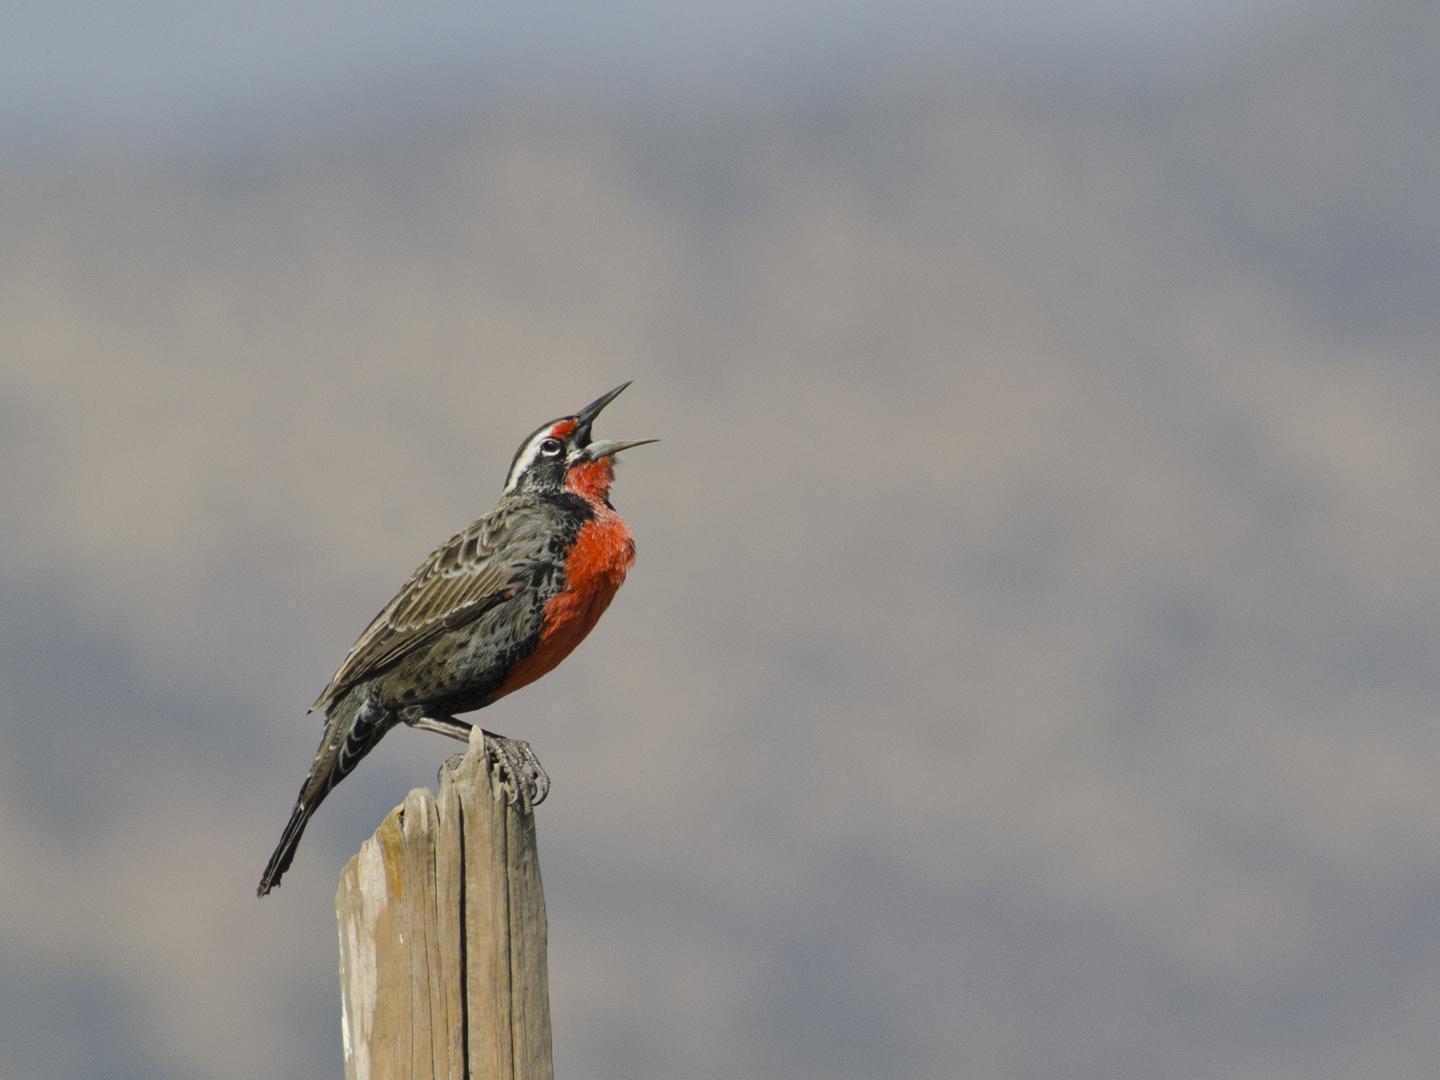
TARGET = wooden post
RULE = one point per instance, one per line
(442, 939)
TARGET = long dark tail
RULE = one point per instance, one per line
(353, 726)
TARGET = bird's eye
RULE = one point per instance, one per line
(550, 447)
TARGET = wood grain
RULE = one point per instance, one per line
(443, 967)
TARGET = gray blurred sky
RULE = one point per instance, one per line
(1029, 669)
(159, 73)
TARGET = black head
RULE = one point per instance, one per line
(561, 454)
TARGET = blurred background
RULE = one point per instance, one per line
(1030, 665)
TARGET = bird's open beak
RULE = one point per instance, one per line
(608, 447)
(603, 447)
(587, 415)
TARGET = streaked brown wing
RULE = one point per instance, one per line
(477, 568)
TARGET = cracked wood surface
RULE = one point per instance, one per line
(442, 939)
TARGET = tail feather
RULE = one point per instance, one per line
(289, 841)
(352, 728)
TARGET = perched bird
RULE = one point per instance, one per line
(492, 609)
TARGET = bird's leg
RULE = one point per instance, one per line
(522, 777)
(441, 725)
(413, 716)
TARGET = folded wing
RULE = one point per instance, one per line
(482, 566)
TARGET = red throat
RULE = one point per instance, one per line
(591, 480)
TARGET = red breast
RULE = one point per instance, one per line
(595, 568)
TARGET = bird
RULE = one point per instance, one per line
(489, 611)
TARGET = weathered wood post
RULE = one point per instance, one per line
(442, 939)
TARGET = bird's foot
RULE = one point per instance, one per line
(516, 771)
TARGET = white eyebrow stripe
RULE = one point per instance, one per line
(523, 459)
(526, 457)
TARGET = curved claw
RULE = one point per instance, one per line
(516, 772)
(535, 774)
